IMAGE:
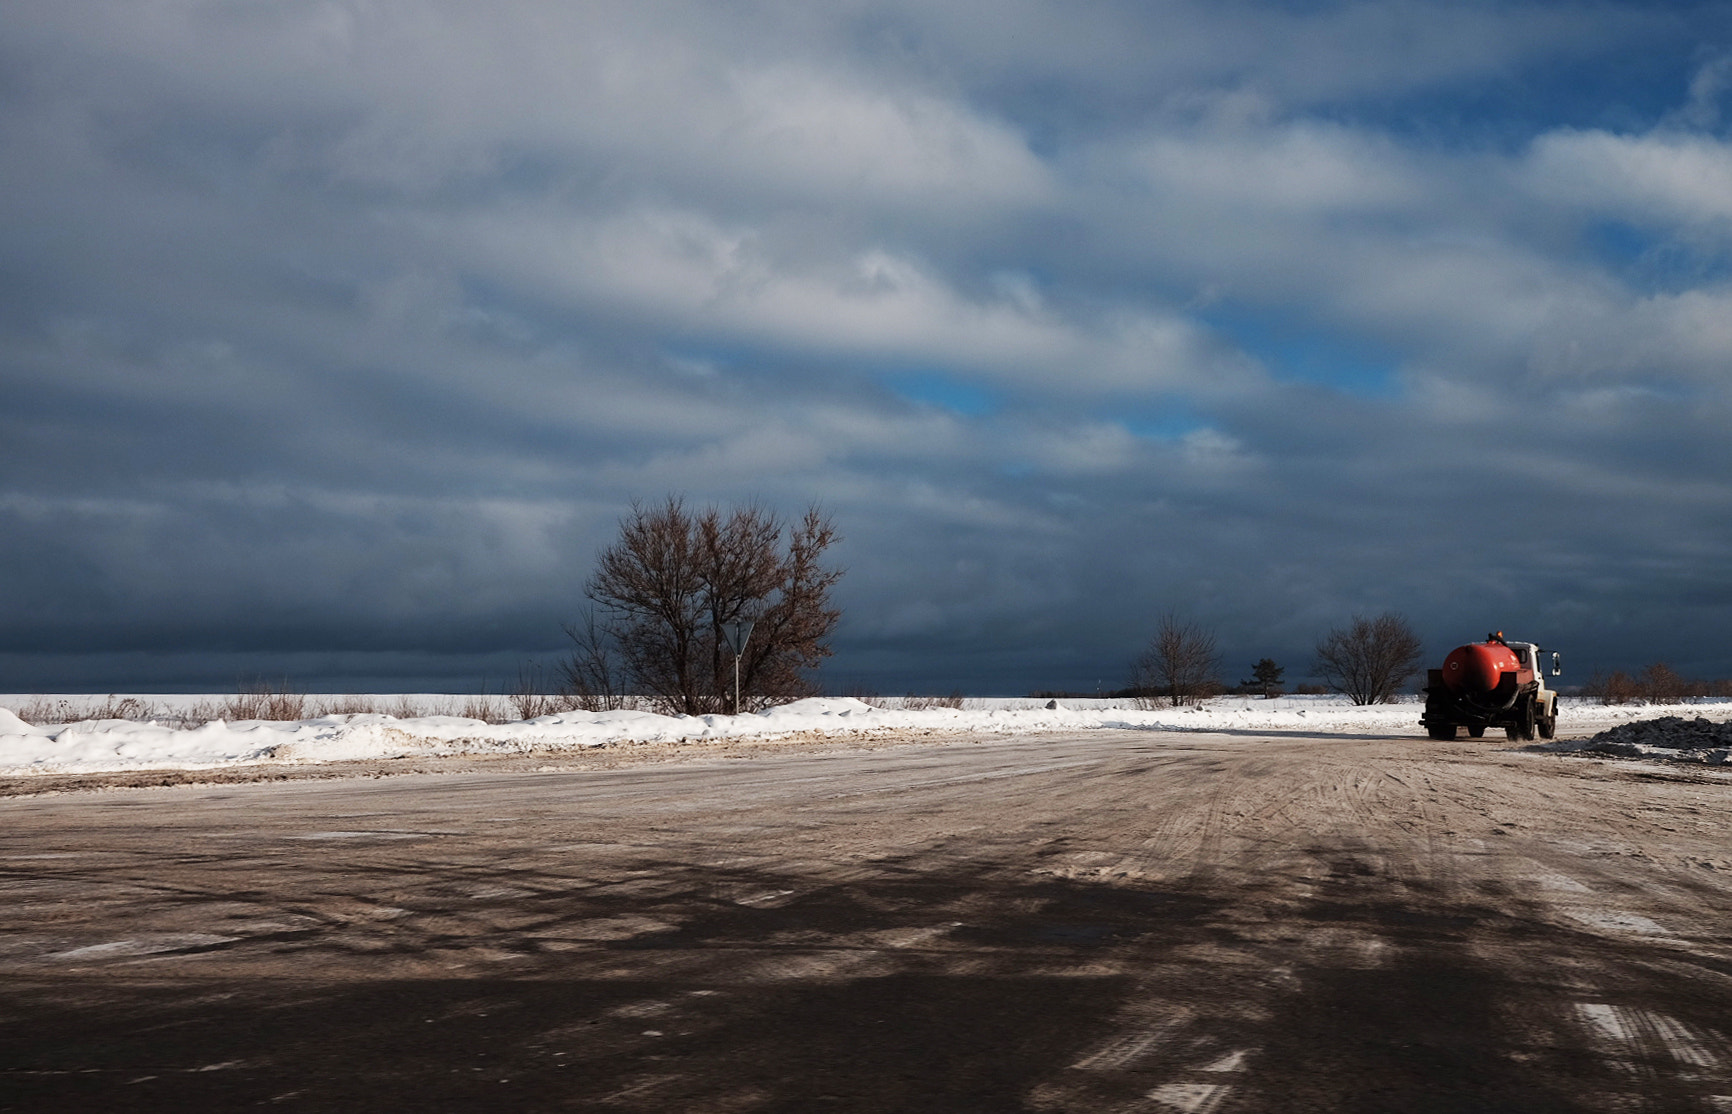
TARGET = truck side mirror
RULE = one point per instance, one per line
(1557, 664)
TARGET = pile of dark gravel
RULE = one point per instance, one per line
(1695, 740)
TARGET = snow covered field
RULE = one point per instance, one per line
(92, 746)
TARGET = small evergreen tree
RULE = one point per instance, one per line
(1266, 678)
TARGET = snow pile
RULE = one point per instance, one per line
(10, 725)
(1670, 738)
(98, 745)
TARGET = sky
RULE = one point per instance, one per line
(337, 336)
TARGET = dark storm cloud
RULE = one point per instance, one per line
(335, 338)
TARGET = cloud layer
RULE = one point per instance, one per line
(336, 337)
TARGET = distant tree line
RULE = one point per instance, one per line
(1655, 684)
(1368, 661)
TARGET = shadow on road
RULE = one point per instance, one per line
(980, 989)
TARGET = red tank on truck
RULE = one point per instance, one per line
(1495, 683)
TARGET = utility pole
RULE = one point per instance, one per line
(736, 634)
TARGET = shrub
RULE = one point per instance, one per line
(1179, 664)
(1369, 659)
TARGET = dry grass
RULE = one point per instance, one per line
(346, 706)
(530, 705)
(266, 702)
(487, 709)
(281, 703)
(42, 710)
(911, 702)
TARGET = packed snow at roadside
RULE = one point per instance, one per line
(99, 745)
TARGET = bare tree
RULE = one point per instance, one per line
(791, 636)
(1180, 662)
(590, 675)
(1663, 685)
(676, 578)
(1369, 659)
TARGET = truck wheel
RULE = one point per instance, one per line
(1523, 727)
(1439, 731)
(1548, 726)
(1519, 725)
(1477, 731)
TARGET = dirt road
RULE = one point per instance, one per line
(1121, 921)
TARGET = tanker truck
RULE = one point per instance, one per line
(1495, 683)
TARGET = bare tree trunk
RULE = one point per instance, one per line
(741, 567)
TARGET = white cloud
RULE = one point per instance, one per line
(1306, 168)
(1077, 449)
(1665, 177)
(728, 283)
(835, 141)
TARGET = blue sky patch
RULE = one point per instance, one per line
(1653, 263)
(1168, 422)
(1305, 353)
(931, 388)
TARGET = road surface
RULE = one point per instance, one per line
(1116, 921)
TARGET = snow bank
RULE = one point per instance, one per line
(110, 744)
